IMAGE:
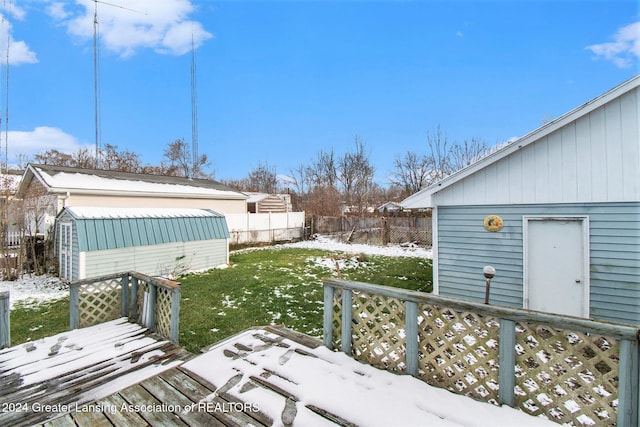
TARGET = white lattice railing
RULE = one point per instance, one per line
(150, 301)
(570, 370)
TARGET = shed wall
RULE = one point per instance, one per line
(157, 260)
(465, 247)
(595, 158)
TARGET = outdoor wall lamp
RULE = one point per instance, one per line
(488, 272)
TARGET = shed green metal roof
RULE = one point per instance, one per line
(103, 228)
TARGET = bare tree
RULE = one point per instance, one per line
(263, 179)
(468, 152)
(355, 173)
(180, 158)
(439, 156)
(411, 173)
(120, 160)
(323, 171)
(54, 157)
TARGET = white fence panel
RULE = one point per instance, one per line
(265, 227)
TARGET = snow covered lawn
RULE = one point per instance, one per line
(31, 290)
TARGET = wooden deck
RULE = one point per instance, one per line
(275, 376)
(42, 379)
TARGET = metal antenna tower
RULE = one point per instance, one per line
(194, 106)
(96, 71)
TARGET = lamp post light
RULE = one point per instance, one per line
(488, 272)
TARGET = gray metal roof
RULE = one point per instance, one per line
(115, 228)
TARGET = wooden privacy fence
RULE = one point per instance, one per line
(567, 369)
(149, 301)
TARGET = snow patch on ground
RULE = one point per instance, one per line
(29, 291)
(328, 244)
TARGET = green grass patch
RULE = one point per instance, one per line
(31, 322)
(281, 286)
(261, 287)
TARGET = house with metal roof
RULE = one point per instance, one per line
(96, 241)
(556, 212)
(57, 187)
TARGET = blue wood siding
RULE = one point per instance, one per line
(464, 247)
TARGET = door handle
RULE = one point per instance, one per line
(578, 280)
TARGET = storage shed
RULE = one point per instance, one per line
(92, 241)
(556, 212)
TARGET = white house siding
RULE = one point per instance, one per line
(594, 158)
(223, 206)
(464, 247)
(157, 260)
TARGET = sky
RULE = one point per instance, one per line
(279, 81)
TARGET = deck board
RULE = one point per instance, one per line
(59, 374)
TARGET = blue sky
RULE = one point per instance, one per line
(278, 81)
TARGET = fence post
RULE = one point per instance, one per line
(345, 330)
(124, 311)
(150, 308)
(74, 306)
(507, 360)
(5, 320)
(327, 321)
(628, 371)
(134, 302)
(175, 314)
(411, 337)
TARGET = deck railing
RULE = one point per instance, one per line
(150, 301)
(567, 369)
(5, 324)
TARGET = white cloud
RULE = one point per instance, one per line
(19, 51)
(40, 139)
(624, 50)
(163, 26)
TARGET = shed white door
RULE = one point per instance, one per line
(65, 255)
(556, 265)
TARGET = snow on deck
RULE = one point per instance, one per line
(43, 378)
(296, 384)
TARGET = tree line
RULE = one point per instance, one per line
(329, 184)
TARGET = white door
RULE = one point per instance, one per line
(556, 265)
(65, 253)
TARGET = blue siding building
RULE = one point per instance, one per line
(556, 212)
(93, 241)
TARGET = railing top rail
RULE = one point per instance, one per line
(614, 330)
(158, 281)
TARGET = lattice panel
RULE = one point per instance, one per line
(568, 376)
(163, 312)
(459, 352)
(378, 331)
(336, 322)
(100, 302)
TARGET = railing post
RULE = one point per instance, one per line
(134, 303)
(411, 337)
(345, 330)
(74, 307)
(507, 360)
(327, 320)
(5, 320)
(125, 295)
(150, 309)
(628, 399)
(175, 315)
